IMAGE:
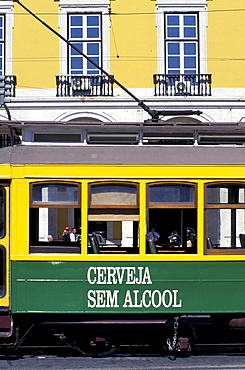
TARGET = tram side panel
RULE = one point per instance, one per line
(127, 287)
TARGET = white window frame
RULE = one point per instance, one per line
(7, 9)
(184, 6)
(85, 6)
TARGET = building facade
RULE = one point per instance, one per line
(171, 54)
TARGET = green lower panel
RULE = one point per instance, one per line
(127, 287)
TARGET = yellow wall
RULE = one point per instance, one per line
(134, 37)
(226, 42)
(133, 43)
(35, 49)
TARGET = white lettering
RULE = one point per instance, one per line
(128, 300)
(89, 275)
(147, 276)
(170, 300)
(118, 275)
(91, 299)
(130, 275)
(146, 305)
(175, 292)
(112, 298)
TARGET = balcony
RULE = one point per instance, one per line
(182, 85)
(10, 85)
(81, 85)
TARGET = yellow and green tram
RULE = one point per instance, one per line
(111, 189)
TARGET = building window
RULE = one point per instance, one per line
(54, 207)
(2, 44)
(114, 216)
(181, 43)
(85, 34)
(225, 216)
(86, 24)
(172, 207)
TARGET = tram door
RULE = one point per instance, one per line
(4, 245)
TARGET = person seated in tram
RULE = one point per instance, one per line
(153, 235)
(175, 240)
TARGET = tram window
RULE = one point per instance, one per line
(114, 217)
(2, 271)
(2, 212)
(173, 207)
(54, 206)
(225, 216)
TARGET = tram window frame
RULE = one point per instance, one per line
(58, 245)
(213, 246)
(3, 210)
(3, 291)
(170, 210)
(113, 218)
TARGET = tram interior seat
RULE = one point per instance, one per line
(209, 243)
(152, 246)
(242, 240)
(95, 244)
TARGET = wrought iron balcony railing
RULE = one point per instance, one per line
(10, 84)
(83, 85)
(182, 85)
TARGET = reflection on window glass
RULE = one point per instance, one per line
(2, 212)
(55, 218)
(115, 236)
(171, 194)
(223, 227)
(55, 193)
(113, 194)
(226, 194)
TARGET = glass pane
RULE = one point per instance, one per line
(79, 46)
(173, 32)
(189, 62)
(190, 32)
(93, 48)
(55, 193)
(76, 20)
(174, 48)
(76, 33)
(93, 20)
(53, 221)
(76, 63)
(90, 65)
(224, 226)
(113, 195)
(189, 48)
(93, 32)
(174, 62)
(114, 236)
(226, 194)
(171, 194)
(173, 20)
(2, 212)
(189, 20)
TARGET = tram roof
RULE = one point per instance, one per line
(124, 155)
(156, 143)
